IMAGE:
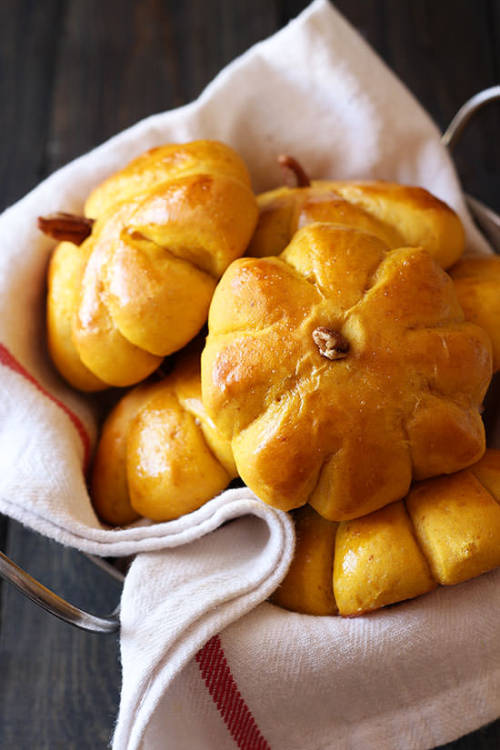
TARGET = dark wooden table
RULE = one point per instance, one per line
(73, 73)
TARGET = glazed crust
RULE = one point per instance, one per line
(307, 587)
(109, 486)
(446, 531)
(159, 455)
(457, 523)
(477, 281)
(378, 562)
(166, 228)
(65, 270)
(397, 214)
(345, 435)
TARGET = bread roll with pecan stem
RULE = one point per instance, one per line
(340, 370)
(165, 228)
(397, 214)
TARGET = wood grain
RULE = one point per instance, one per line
(59, 685)
(74, 72)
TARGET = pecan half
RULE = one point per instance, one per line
(290, 164)
(62, 226)
(331, 344)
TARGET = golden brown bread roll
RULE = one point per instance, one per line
(109, 485)
(477, 281)
(446, 531)
(63, 294)
(378, 562)
(397, 214)
(457, 524)
(166, 228)
(159, 455)
(340, 370)
(307, 587)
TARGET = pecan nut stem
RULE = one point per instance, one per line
(292, 165)
(331, 344)
(66, 227)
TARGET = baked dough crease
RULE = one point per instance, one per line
(159, 454)
(446, 531)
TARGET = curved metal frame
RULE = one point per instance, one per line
(43, 597)
(456, 127)
(54, 604)
(488, 220)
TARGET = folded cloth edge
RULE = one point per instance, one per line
(198, 626)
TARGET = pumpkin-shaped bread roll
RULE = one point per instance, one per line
(165, 229)
(159, 455)
(341, 370)
(477, 281)
(398, 214)
(446, 531)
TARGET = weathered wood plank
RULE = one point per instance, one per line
(120, 62)
(60, 685)
(29, 35)
(4, 523)
(444, 52)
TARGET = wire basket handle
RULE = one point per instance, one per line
(54, 604)
(454, 130)
(487, 219)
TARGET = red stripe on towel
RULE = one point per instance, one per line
(8, 360)
(226, 696)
